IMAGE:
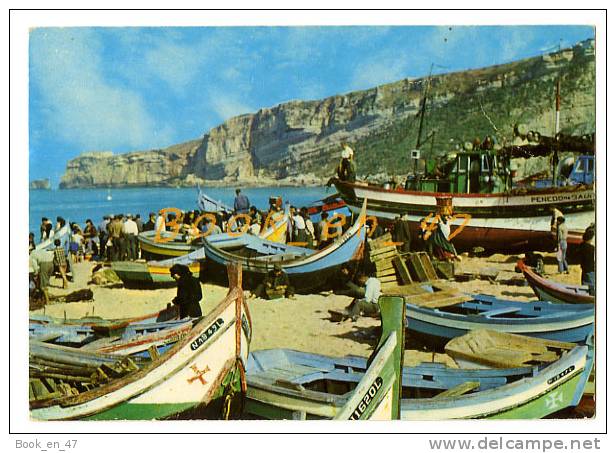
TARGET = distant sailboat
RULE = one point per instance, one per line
(109, 198)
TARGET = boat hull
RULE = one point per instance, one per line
(554, 292)
(493, 221)
(192, 374)
(535, 319)
(533, 395)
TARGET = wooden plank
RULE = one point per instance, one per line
(385, 272)
(390, 278)
(504, 350)
(437, 299)
(382, 250)
(384, 264)
(416, 268)
(403, 271)
(427, 265)
(383, 256)
(458, 390)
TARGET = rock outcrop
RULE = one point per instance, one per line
(298, 138)
(40, 184)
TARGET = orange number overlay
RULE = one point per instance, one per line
(195, 224)
(233, 220)
(174, 224)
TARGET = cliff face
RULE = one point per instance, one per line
(141, 168)
(297, 137)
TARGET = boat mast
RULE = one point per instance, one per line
(422, 112)
(556, 133)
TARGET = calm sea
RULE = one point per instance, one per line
(77, 205)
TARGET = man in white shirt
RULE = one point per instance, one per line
(130, 231)
(369, 305)
(299, 230)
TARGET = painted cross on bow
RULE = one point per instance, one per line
(198, 374)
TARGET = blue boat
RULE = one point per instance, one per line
(135, 339)
(572, 323)
(308, 269)
(288, 384)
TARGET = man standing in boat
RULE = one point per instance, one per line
(241, 205)
(346, 167)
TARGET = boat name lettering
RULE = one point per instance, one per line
(561, 375)
(207, 334)
(562, 197)
(368, 397)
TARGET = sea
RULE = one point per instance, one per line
(77, 205)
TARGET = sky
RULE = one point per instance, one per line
(126, 89)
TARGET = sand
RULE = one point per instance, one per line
(302, 323)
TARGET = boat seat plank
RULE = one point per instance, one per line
(437, 299)
(500, 311)
(458, 390)
(505, 350)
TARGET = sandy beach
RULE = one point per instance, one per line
(302, 323)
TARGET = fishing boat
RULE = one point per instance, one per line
(61, 234)
(132, 339)
(307, 269)
(209, 204)
(511, 219)
(475, 186)
(286, 384)
(452, 317)
(167, 314)
(276, 389)
(201, 372)
(168, 244)
(555, 292)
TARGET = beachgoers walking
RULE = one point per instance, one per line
(60, 262)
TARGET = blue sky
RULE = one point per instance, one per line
(126, 89)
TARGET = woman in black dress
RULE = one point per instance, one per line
(189, 291)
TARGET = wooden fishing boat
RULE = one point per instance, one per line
(170, 245)
(555, 292)
(308, 269)
(132, 339)
(454, 316)
(167, 314)
(209, 204)
(48, 243)
(498, 221)
(201, 371)
(152, 272)
(285, 384)
(274, 390)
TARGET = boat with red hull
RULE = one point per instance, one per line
(515, 219)
(555, 292)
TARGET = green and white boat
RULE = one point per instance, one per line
(285, 384)
(201, 374)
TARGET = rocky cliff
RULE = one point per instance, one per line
(303, 138)
(40, 184)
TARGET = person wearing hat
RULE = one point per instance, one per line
(275, 285)
(189, 291)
